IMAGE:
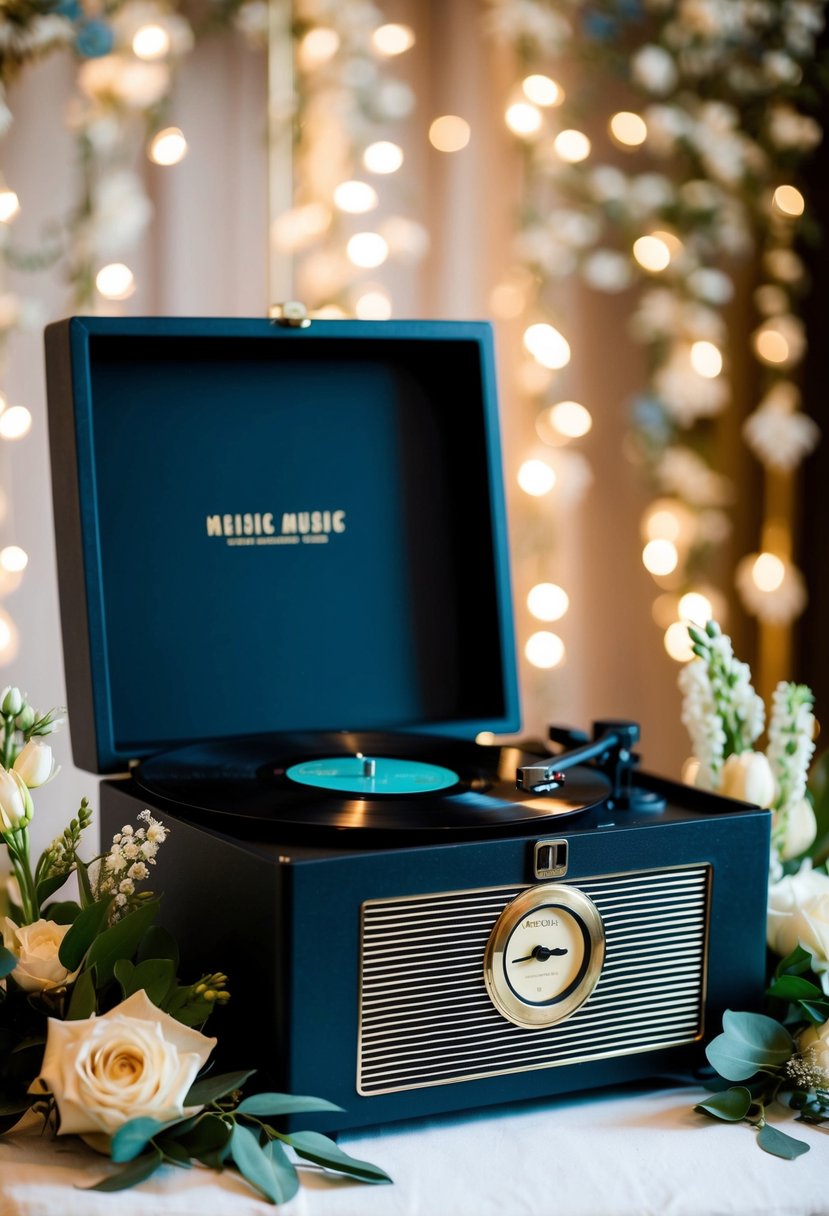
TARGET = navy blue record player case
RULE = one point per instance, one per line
(264, 529)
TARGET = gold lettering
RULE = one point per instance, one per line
(338, 521)
(288, 523)
(267, 524)
(227, 525)
(214, 525)
(303, 521)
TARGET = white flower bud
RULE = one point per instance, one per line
(12, 701)
(748, 776)
(16, 808)
(35, 764)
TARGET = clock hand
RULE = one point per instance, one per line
(542, 953)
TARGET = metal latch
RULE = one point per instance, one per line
(292, 314)
(550, 859)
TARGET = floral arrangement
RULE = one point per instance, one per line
(679, 178)
(783, 1053)
(99, 1036)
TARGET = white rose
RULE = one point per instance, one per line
(133, 1061)
(748, 776)
(35, 764)
(36, 948)
(798, 914)
(16, 807)
(799, 828)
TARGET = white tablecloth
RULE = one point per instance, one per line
(632, 1154)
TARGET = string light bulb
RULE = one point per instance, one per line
(373, 305)
(151, 42)
(392, 39)
(695, 607)
(9, 205)
(660, 557)
(548, 601)
(383, 157)
(706, 359)
(9, 638)
(15, 422)
(367, 250)
(652, 253)
(789, 201)
(549, 347)
(542, 90)
(544, 649)
(317, 47)
(355, 197)
(536, 478)
(628, 129)
(677, 642)
(115, 281)
(14, 559)
(572, 146)
(449, 133)
(767, 573)
(168, 147)
(770, 344)
(523, 119)
(570, 419)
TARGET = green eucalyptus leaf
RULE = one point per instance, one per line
(210, 1088)
(794, 988)
(313, 1146)
(83, 1001)
(773, 1141)
(282, 1104)
(120, 940)
(175, 1152)
(158, 942)
(63, 912)
(84, 931)
(137, 1171)
(732, 1104)
(8, 962)
(207, 1139)
(749, 1042)
(269, 1172)
(133, 1137)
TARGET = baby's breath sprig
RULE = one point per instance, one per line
(127, 863)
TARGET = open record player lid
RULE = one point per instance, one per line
(269, 529)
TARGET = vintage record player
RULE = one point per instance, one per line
(285, 596)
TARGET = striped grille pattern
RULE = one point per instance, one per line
(426, 1018)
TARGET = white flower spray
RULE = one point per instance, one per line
(132, 852)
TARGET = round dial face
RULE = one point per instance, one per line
(544, 956)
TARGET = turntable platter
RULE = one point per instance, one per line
(397, 787)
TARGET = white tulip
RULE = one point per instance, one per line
(16, 807)
(748, 776)
(798, 829)
(35, 764)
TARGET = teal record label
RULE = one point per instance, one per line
(372, 775)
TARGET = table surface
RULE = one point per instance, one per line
(634, 1153)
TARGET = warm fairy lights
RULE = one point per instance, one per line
(629, 130)
(367, 250)
(571, 419)
(449, 133)
(542, 90)
(706, 359)
(383, 157)
(677, 642)
(768, 572)
(355, 197)
(695, 607)
(523, 119)
(317, 47)
(660, 557)
(373, 305)
(534, 477)
(789, 201)
(652, 253)
(115, 281)
(572, 146)
(9, 205)
(544, 649)
(168, 147)
(770, 344)
(151, 42)
(548, 601)
(14, 559)
(393, 39)
(15, 422)
(549, 347)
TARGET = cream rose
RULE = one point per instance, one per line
(36, 947)
(798, 914)
(133, 1061)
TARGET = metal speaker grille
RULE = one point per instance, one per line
(426, 1018)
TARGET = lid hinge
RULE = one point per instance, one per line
(292, 314)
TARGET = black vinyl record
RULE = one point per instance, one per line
(248, 781)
